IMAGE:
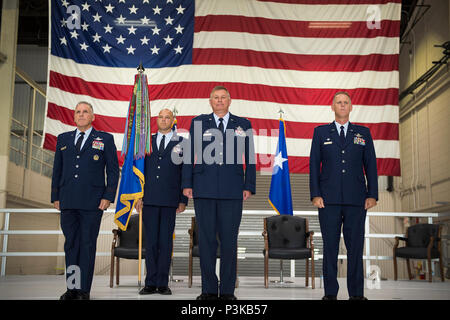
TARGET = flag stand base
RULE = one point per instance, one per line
(281, 281)
(171, 279)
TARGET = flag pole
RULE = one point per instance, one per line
(281, 113)
(140, 248)
(140, 69)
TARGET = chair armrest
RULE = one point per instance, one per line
(397, 240)
(114, 241)
(430, 244)
(191, 238)
(115, 236)
(266, 241)
(310, 235)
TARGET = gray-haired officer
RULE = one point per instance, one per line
(80, 193)
(218, 188)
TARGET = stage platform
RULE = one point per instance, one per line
(47, 287)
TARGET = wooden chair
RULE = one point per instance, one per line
(125, 245)
(423, 241)
(194, 250)
(286, 237)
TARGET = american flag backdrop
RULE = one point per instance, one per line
(271, 55)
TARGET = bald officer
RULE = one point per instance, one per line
(342, 158)
(163, 199)
(214, 176)
(80, 193)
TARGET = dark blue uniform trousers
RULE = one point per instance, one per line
(331, 218)
(159, 224)
(222, 217)
(80, 229)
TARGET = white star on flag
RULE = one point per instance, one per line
(133, 9)
(97, 17)
(109, 8)
(145, 20)
(96, 37)
(178, 49)
(86, 6)
(84, 46)
(157, 10)
(108, 28)
(169, 20)
(168, 39)
(74, 34)
(180, 9)
(121, 40)
(144, 40)
(179, 29)
(121, 19)
(131, 49)
(155, 50)
(106, 48)
(279, 161)
(156, 30)
(132, 30)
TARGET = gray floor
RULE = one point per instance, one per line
(250, 288)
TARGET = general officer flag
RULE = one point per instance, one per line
(280, 187)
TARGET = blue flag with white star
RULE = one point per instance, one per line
(280, 196)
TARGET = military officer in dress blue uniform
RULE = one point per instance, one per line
(80, 193)
(213, 175)
(163, 199)
(342, 158)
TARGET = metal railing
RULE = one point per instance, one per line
(257, 234)
(25, 141)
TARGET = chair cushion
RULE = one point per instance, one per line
(415, 253)
(291, 253)
(128, 253)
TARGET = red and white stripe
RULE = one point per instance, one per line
(292, 55)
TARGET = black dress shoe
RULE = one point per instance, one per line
(227, 297)
(69, 295)
(207, 296)
(329, 297)
(358, 298)
(148, 290)
(83, 296)
(164, 290)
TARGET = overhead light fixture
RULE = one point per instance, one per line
(329, 25)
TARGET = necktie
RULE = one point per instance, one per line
(342, 135)
(221, 124)
(79, 141)
(162, 144)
